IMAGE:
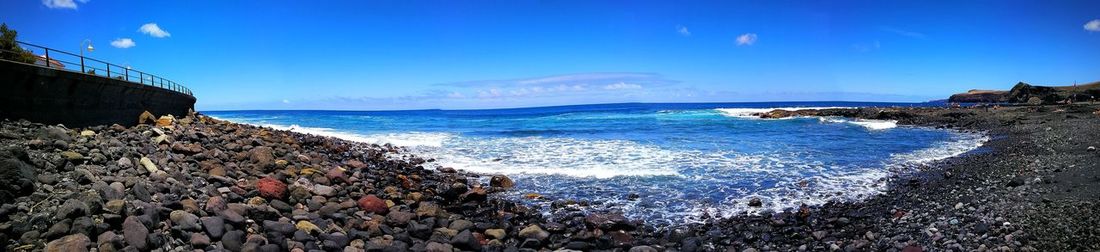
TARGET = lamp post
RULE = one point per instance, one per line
(89, 48)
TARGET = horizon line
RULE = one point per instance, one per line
(564, 106)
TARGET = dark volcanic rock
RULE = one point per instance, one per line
(213, 225)
(1017, 181)
(17, 176)
(466, 240)
(263, 157)
(755, 202)
(233, 240)
(73, 208)
(76, 242)
(501, 181)
(135, 233)
(281, 227)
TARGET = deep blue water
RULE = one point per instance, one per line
(680, 160)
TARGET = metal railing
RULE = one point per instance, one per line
(62, 60)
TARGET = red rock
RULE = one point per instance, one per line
(373, 204)
(899, 214)
(271, 188)
(406, 182)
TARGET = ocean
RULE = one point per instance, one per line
(663, 163)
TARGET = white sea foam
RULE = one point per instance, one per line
(834, 185)
(748, 112)
(555, 156)
(866, 123)
(962, 143)
(875, 124)
(406, 139)
(412, 139)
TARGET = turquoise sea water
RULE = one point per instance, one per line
(665, 163)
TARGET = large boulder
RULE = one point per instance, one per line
(16, 174)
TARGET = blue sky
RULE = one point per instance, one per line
(366, 55)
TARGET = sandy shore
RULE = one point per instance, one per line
(204, 184)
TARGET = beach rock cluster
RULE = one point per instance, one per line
(200, 183)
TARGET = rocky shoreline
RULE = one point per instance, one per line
(198, 183)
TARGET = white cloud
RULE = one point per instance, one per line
(598, 78)
(596, 84)
(153, 30)
(911, 34)
(61, 4)
(683, 30)
(1093, 25)
(746, 39)
(285, 101)
(862, 47)
(491, 93)
(123, 43)
(621, 85)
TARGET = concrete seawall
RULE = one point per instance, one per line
(53, 96)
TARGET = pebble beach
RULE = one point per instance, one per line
(195, 183)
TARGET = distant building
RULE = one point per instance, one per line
(41, 61)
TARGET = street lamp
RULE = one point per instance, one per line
(89, 48)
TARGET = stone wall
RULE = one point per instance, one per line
(54, 96)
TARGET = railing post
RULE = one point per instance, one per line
(108, 70)
(47, 56)
(127, 74)
(141, 77)
(82, 65)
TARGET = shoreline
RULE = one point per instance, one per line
(959, 203)
(1001, 196)
(967, 140)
